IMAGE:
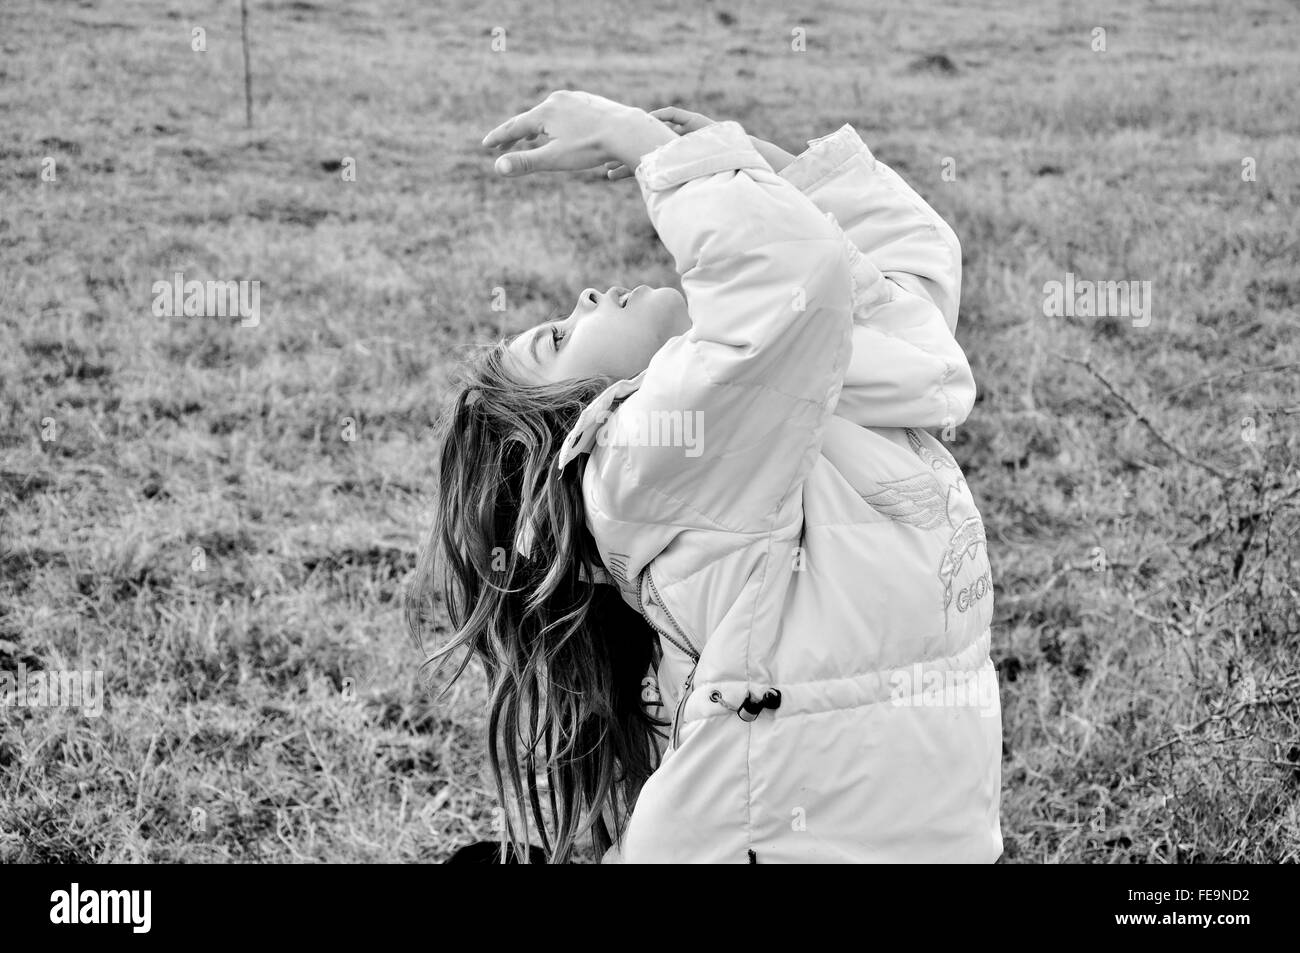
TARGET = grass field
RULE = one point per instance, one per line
(181, 507)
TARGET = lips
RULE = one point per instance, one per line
(624, 294)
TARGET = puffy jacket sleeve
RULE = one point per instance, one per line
(767, 285)
(907, 370)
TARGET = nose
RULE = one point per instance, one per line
(590, 297)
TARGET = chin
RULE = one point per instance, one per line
(676, 319)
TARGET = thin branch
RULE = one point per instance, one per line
(1213, 378)
(1217, 716)
(1132, 606)
(1015, 598)
(248, 69)
(1276, 762)
(1265, 510)
(1146, 421)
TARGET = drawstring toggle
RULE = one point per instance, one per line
(751, 708)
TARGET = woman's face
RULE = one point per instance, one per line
(612, 334)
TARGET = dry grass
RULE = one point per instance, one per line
(268, 708)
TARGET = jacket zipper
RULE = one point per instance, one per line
(681, 705)
(688, 649)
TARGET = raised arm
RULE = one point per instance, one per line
(767, 283)
(883, 216)
(906, 368)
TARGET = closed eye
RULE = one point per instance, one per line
(558, 334)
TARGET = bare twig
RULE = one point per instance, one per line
(1276, 762)
(1227, 377)
(1154, 620)
(1015, 598)
(248, 69)
(1217, 716)
(1265, 510)
(1145, 420)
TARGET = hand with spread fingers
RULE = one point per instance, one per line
(570, 130)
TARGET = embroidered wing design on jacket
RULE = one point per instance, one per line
(918, 501)
(935, 461)
(922, 502)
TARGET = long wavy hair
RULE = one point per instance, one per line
(564, 657)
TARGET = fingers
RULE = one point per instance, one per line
(683, 119)
(542, 159)
(616, 170)
(672, 114)
(523, 126)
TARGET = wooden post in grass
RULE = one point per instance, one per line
(248, 71)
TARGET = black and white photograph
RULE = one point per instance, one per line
(681, 432)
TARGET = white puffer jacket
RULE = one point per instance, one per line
(810, 555)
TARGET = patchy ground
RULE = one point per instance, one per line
(182, 509)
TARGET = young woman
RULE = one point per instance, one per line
(713, 519)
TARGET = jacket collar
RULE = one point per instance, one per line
(581, 439)
(583, 435)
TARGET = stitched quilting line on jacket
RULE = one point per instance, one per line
(758, 536)
(786, 712)
(659, 180)
(927, 660)
(931, 660)
(717, 526)
(759, 385)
